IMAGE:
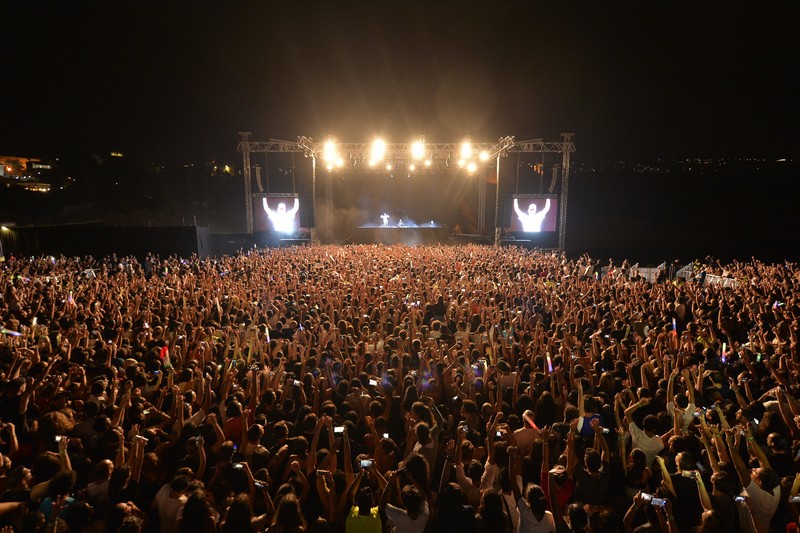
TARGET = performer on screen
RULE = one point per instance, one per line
(531, 221)
(282, 220)
(385, 219)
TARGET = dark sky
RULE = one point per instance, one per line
(175, 81)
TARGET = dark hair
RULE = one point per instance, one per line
(534, 495)
(364, 500)
(288, 513)
(239, 515)
(412, 498)
(492, 512)
(197, 513)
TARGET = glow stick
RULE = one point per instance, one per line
(674, 326)
(724, 350)
(549, 363)
(5, 331)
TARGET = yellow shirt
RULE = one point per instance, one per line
(370, 523)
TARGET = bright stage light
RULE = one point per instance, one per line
(418, 150)
(340, 162)
(484, 156)
(412, 167)
(378, 150)
(461, 163)
(389, 166)
(466, 150)
(427, 162)
(329, 151)
(472, 167)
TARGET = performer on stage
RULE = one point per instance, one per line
(531, 221)
(282, 220)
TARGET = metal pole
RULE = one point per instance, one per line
(497, 221)
(248, 187)
(562, 223)
(314, 238)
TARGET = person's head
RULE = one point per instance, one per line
(577, 517)
(239, 515)
(766, 478)
(61, 484)
(534, 495)
(650, 424)
(197, 513)
(593, 460)
(288, 513)
(685, 462)
(412, 499)
(364, 500)
(532, 208)
(492, 509)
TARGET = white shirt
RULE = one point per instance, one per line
(649, 445)
(528, 522)
(688, 414)
(404, 524)
(169, 509)
(763, 504)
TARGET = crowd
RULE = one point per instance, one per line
(372, 388)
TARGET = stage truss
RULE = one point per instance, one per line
(439, 157)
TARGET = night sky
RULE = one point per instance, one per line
(175, 81)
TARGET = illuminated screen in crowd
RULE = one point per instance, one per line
(534, 214)
(280, 214)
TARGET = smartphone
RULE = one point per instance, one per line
(366, 463)
(498, 435)
(338, 430)
(455, 398)
(741, 498)
(259, 484)
(794, 499)
(658, 502)
(606, 431)
(297, 383)
(238, 466)
(59, 438)
(373, 383)
(385, 435)
(647, 497)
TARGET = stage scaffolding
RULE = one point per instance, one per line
(441, 157)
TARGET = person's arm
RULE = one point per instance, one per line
(513, 470)
(666, 519)
(387, 490)
(623, 455)
(600, 439)
(572, 458)
(633, 510)
(581, 406)
(741, 468)
(763, 460)
(349, 495)
(632, 409)
(689, 387)
(665, 475)
(712, 456)
(701, 488)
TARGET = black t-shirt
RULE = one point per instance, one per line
(688, 509)
(590, 489)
